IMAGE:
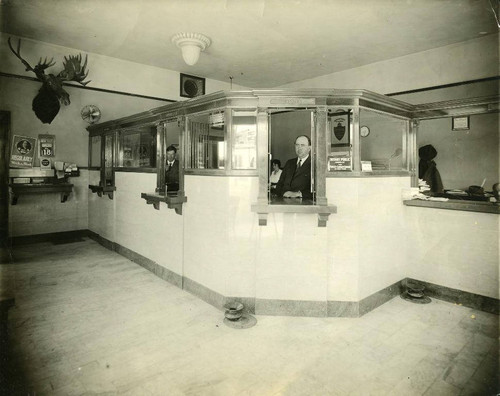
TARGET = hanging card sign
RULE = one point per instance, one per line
(47, 144)
(340, 161)
(23, 152)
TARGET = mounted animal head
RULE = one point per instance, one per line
(46, 104)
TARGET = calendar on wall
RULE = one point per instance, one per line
(47, 145)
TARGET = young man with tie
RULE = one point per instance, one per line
(295, 179)
(171, 170)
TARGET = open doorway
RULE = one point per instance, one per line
(5, 247)
(284, 128)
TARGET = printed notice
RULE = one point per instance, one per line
(339, 161)
(23, 152)
(47, 145)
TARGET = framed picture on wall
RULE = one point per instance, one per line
(22, 152)
(192, 86)
(340, 129)
(460, 123)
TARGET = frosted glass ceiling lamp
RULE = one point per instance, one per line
(191, 44)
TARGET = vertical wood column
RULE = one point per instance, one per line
(412, 152)
(262, 154)
(181, 122)
(160, 157)
(321, 151)
(356, 149)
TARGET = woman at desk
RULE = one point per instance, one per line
(275, 173)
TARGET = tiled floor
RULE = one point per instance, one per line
(88, 321)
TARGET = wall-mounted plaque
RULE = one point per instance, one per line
(339, 161)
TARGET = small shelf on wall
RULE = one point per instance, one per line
(19, 189)
(37, 181)
(103, 190)
(173, 201)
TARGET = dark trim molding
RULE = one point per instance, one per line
(50, 237)
(350, 309)
(460, 297)
(110, 91)
(444, 86)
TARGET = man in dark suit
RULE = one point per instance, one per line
(172, 170)
(295, 179)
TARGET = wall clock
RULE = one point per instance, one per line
(364, 131)
(91, 114)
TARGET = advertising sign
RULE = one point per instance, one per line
(47, 145)
(23, 152)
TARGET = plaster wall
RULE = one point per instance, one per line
(221, 233)
(464, 157)
(16, 96)
(454, 248)
(101, 211)
(156, 234)
(367, 237)
(469, 60)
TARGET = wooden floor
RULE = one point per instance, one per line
(87, 321)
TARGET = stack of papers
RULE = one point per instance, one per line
(457, 192)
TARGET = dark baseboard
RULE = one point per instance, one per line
(54, 237)
(351, 309)
(460, 297)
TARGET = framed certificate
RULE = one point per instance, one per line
(460, 123)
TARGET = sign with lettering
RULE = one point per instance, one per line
(286, 101)
(22, 152)
(339, 161)
(47, 145)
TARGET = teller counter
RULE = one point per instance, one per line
(343, 253)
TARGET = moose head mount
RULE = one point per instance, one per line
(46, 104)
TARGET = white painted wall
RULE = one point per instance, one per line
(16, 96)
(368, 239)
(220, 233)
(464, 61)
(455, 249)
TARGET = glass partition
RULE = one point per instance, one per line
(108, 160)
(244, 139)
(383, 140)
(137, 148)
(205, 144)
(339, 139)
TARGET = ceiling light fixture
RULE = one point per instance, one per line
(191, 44)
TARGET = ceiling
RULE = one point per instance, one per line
(260, 43)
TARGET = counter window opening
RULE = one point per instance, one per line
(285, 128)
(170, 173)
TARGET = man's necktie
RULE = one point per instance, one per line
(299, 163)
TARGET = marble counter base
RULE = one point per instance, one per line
(351, 309)
(460, 297)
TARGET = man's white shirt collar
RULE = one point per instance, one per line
(302, 160)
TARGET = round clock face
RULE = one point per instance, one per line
(365, 131)
(91, 114)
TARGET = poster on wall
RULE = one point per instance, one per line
(47, 144)
(23, 152)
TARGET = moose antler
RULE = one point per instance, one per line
(46, 104)
(74, 70)
(39, 69)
